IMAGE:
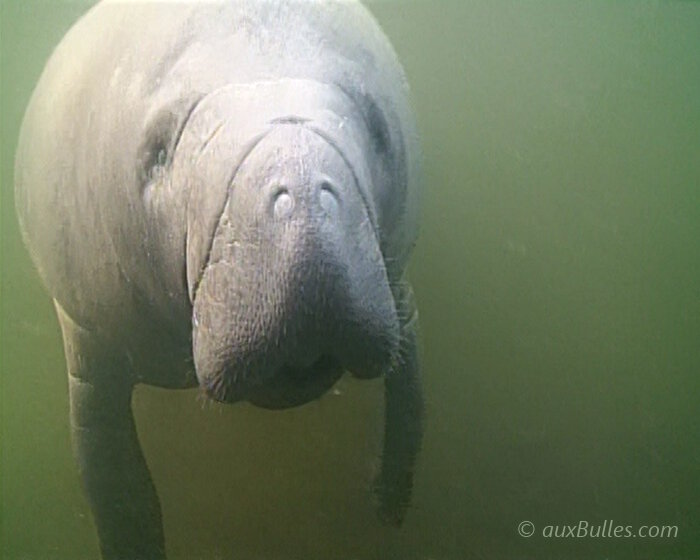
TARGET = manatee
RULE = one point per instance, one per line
(222, 195)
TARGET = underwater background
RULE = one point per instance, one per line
(558, 281)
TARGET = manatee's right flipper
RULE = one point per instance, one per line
(403, 430)
(115, 477)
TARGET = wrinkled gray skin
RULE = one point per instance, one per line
(232, 186)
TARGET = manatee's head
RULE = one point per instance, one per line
(287, 280)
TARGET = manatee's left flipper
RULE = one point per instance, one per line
(115, 477)
(404, 410)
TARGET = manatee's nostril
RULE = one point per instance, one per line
(328, 198)
(283, 203)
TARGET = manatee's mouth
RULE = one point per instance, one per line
(289, 386)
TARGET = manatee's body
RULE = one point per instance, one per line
(224, 195)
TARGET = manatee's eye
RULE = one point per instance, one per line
(378, 127)
(155, 152)
(375, 120)
(161, 135)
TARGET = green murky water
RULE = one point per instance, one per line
(558, 277)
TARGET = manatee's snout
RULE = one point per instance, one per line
(294, 290)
